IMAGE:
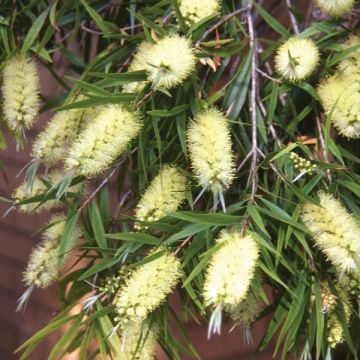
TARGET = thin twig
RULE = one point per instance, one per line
(244, 161)
(254, 82)
(322, 143)
(271, 127)
(102, 184)
(294, 24)
(183, 243)
(264, 74)
(220, 22)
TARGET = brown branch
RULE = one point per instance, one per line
(254, 92)
(220, 22)
(183, 244)
(323, 148)
(294, 24)
(102, 184)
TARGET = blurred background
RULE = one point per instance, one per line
(18, 237)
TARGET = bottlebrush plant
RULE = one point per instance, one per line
(201, 150)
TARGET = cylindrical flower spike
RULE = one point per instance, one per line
(195, 10)
(138, 63)
(341, 101)
(164, 195)
(335, 330)
(138, 342)
(170, 61)
(230, 270)
(43, 267)
(296, 59)
(52, 144)
(147, 288)
(21, 92)
(247, 311)
(103, 140)
(336, 232)
(349, 67)
(39, 187)
(209, 143)
(335, 8)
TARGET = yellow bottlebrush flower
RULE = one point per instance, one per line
(43, 267)
(138, 342)
(340, 99)
(103, 140)
(230, 270)
(170, 61)
(209, 143)
(21, 89)
(52, 144)
(336, 232)
(138, 63)
(147, 287)
(335, 331)
(164, 195)
(195, 10)
(335, 8)
(349, 67)
(39, 187)
(297, 58)
(247, 311)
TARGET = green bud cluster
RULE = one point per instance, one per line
(302, 164)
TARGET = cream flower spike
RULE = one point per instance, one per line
(170, 61)
(43, 267)
(146, 288)
(335, 8)
(340, 99)
(212, 159)
(138, 342)
(296, 59)
(164, 195)
(24, 191)
(103, 140)
(230, 270)
(52, 144)
(336, 232)
(138, 63)
(195, 10)
(349, 67)
(21, 92)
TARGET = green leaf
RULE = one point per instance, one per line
(110, 336)
(136, 237)
(66, 238)
(99, 100)
(103, 264)
(34, 31)
(169, 113)
(96, 17)
(68, 335)
(284, 151)
(207, 219)
(97, 226)
(188, 231)
(51, 327)
(272, 22)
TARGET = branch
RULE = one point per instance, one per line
(102, 184)
(254, 92)
(294, 24)
(323, 148)
(220, 22)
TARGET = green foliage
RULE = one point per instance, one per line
(263, 198)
